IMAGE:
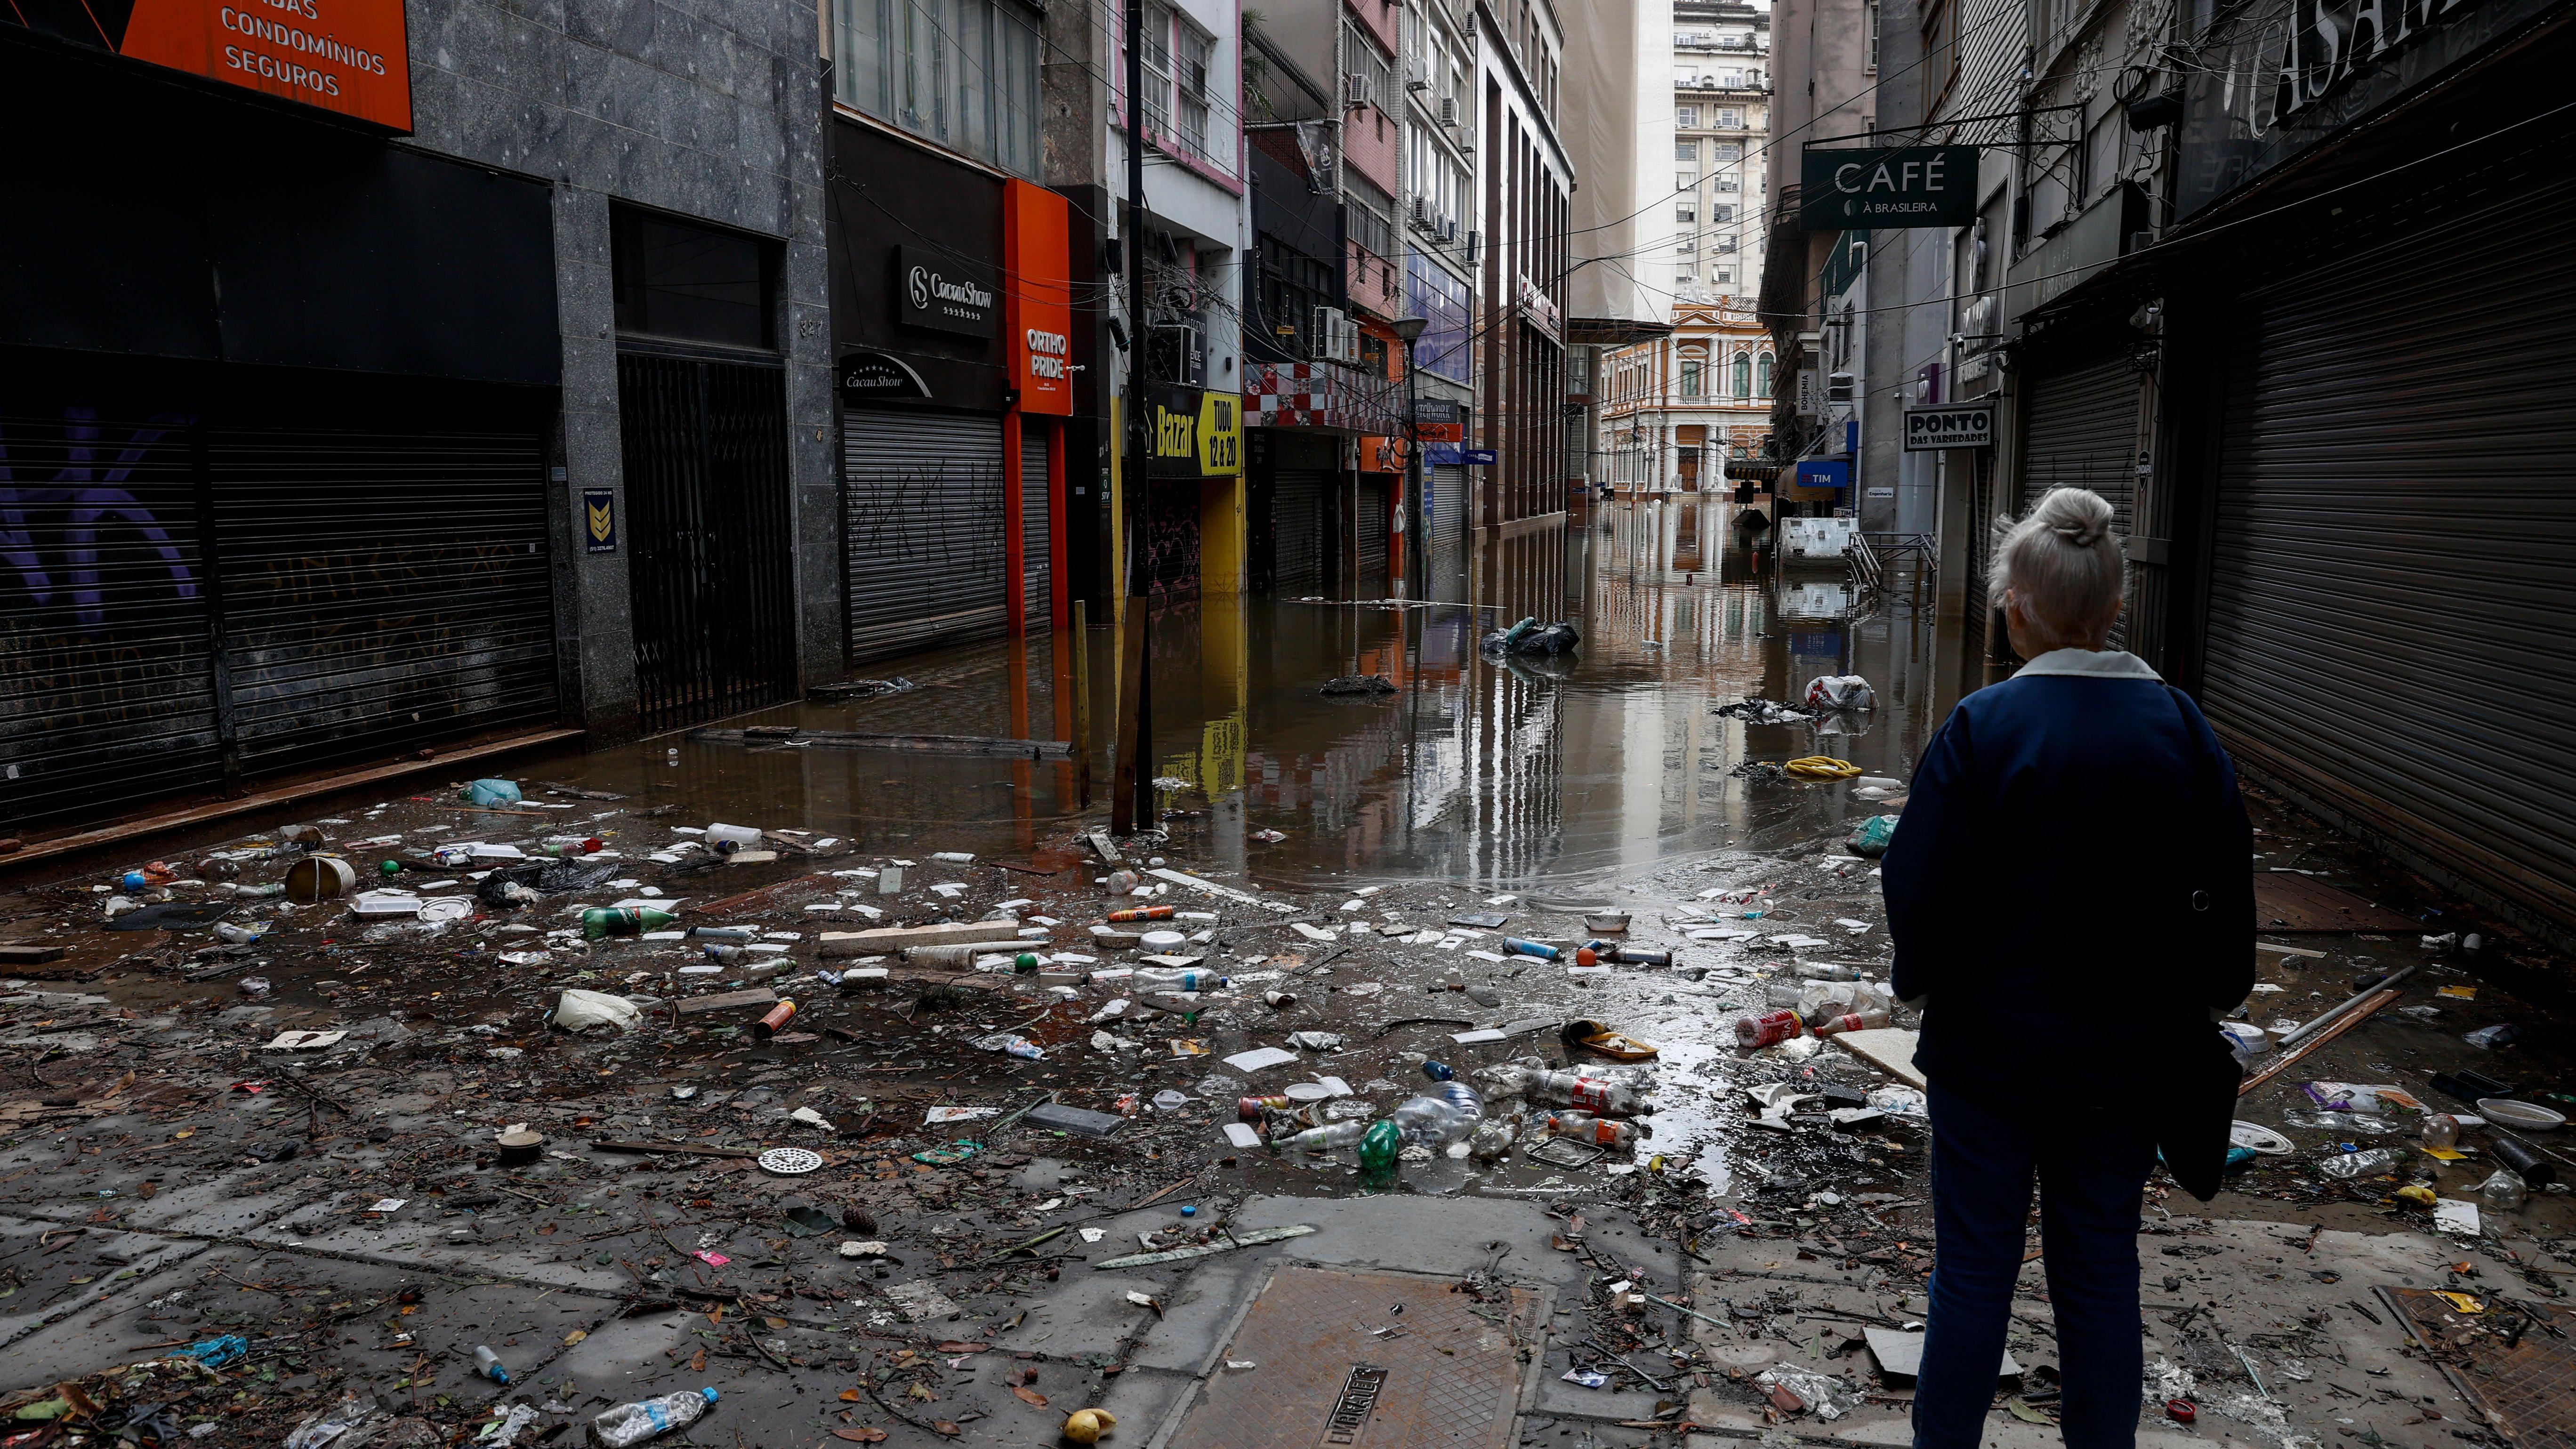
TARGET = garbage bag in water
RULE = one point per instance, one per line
(1360, 684)
(1840, 691)
(1529, 637)
(1870, 839)
(510, 887)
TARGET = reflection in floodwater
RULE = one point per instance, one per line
(1502, 772)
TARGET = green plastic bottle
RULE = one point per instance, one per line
(1378, 1149)
(601, 921)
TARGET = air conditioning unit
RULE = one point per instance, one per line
(1337, 335)
(1176, 354)
(1418, 212)
(1417, 73)
(1448, 228)
(1363, 89)
(1838, 387)
(1449, 111)
(1475, 246)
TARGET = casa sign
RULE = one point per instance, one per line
(1903, 186)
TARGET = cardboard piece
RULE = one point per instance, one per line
(1887, 1048)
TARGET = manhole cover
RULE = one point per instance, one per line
(1368, 1361)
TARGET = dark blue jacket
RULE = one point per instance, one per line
(2071, 890)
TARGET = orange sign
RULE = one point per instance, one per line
(348, 56)
(1381, 455)
(1037, 297)
(1440, 432)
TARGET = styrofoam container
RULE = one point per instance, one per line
(2521, 1116)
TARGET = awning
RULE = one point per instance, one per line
(1323, 397)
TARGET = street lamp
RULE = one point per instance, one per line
(1418, 567)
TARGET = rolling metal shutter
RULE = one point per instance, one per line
(379, 589)
(1036, 590)
(922, 529)
(2392, 610)
(1446, 501)
(106, 646)
(1369, 531)
(2081, 431)
(1297, 531)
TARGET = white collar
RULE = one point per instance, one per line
(2101, 664)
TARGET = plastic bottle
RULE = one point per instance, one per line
(2503, 1192)
(1827, 971)
(1253, 1109)
(1142, 913)
(740, 837)
(489, 1365)
(1024, 1049)
(1600, 1131)
(777, 1019)
(601, 921)
(451, 857)
(231, 934)
(1166, 978)
(645, 1418)
(1438, 1071)
(1122, 882)
(1850, 1021)
(567, 847)
(1323, 1139)
(1770, 1028)
(1379, 1145)
(725, 954)
(1514, 946)
(2442, 1130)
(1590, 1094)
(1783, 993)
(491, 792)
(1640, 956)
(1491, 1141)
(2361, 1164)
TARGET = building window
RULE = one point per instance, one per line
(1725, 275)
(963, 73)
(1686, 117)
(1729, 151)
(1762, 376)
(1721, 213)
(1728, 120)
(1683, 213)
(1371, 213)
(1190, 83)
(1869, 19)
(1726, 244)
(1685, 150)
(1690, 379)
(1683, 279)
(1685, 181)
(1743, 371)
(692, 283)
(1726, 183)
(1686, 245)
(1731, 79)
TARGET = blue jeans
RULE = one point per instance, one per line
(2091, 1168)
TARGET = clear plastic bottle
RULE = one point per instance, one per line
(1491, 1141)
(1589, 1093)
(2504, 1192)
(2442, 1131)
(1869, 1020)
(645, 1418)
(1600, 1131)
(1122, 882)
(1827, 971)
(1164, 978)
(1443, 1115)
(1323, 1139)
(488, 1364)
(2361, 1164)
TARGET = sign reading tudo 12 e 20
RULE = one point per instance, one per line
(1848, 190)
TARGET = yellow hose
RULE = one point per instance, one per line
(1822, 767)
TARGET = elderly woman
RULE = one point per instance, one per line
(2071, 896)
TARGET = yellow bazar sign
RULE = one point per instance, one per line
(1193, 434)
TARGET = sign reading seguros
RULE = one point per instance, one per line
(352, 57)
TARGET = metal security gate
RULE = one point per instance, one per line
(1297, 531)
(2080, 430)
(709, 541)
(1037, 593)
(2392, 606)
(191, 606)
(922, 529)
(1369, 537)
(1445, 499)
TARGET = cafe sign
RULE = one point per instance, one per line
(1905, 186)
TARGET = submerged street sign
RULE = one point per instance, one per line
(1842, 190)
(1960, 425)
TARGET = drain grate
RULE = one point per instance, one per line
(2527, 1387)
(1346, 1360)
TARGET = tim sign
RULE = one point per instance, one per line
(1962, 425)
(1848, 190)
(349, 56)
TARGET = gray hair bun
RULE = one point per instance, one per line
(2079, 515)
(2064, 565)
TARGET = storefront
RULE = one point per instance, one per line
(1195, 503)
(269, 503)
(2366, 431)
(955, 377)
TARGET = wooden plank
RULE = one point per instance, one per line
(131, 830)
(917, 744)
(2288, 903)
(22, 955)
(1887, 1048)
(841, 945)
(725, 1000)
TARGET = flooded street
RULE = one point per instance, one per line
(1003, 1098)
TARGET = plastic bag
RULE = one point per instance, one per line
(352, 1411)
(1871, 838)
(1840, 691)
(1828, 1396)
(577, 1010)
(492, 792)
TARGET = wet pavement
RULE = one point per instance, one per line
(172, 1174)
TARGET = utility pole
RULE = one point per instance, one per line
(1409, 331)
(1131, 804)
